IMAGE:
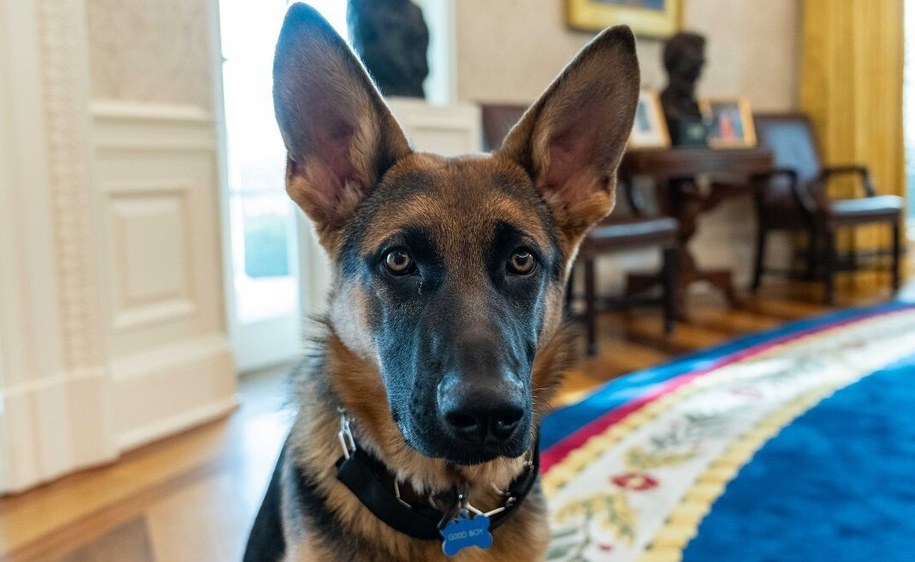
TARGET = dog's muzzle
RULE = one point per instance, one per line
(484, 414)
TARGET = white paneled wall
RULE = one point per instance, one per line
(156, 189)
(55, 415)
(112, 330)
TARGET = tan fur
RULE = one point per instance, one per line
(458, 198)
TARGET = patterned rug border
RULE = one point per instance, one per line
(681, 525)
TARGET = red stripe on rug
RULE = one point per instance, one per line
(561, 450)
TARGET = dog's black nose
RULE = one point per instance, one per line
(477, 423)
(484, 415)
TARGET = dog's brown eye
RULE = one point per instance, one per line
(521, 263)
(398, 262)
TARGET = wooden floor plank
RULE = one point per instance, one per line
(130, 542)
(214, 530)
(82, 505)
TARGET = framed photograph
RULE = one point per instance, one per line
(647, 18)
(730, 122)
(650, 128)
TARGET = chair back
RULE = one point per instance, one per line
(790, 138)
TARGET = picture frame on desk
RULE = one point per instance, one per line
(647, 18)
(730, 122)
(650, 128)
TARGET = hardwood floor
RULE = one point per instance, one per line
(192, 497)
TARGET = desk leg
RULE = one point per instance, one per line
(682, 199)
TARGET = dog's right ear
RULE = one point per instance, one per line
(339, 134)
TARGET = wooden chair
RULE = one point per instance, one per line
(793, 197)
(628, 228)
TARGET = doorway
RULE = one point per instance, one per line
(267, 285)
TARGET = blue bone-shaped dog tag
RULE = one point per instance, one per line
(466, 530)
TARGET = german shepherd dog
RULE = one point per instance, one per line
(444, 338)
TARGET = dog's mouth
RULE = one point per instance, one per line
(439, 440)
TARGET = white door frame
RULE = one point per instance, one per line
(274, 340)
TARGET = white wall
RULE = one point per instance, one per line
(111, 307)
(156, 192)
(53, 409)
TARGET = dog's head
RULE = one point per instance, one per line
(450, 272)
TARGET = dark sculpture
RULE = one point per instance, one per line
(684, 57)
(392, 38)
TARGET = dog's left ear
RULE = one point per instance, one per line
(340, 135)
(571, 140)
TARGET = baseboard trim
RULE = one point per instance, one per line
(54, 426)
(171, 389)
(176, 424)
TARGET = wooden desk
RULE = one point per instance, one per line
(674, 170)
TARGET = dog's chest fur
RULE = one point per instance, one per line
(323, 521)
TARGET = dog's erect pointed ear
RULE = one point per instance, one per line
(339, 134)
(571, 140)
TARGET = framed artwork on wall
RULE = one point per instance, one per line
(650, 128)
(730, 122)
(647, 18)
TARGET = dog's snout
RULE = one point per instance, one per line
(482, 415)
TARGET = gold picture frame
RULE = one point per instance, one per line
(650, 127)
(647, 18)
(730, 122)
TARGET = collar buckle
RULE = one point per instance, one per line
(345, 435)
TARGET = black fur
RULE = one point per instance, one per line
(266, 542)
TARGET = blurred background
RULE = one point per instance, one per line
(154, 276)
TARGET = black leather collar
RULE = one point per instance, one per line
(371, 481)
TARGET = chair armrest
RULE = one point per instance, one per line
(861, 171)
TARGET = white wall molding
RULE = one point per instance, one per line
(147, 406)
(64, 64)
(129, 110)
(54, 411)
(57, 425)
(156, 186)
(112, 330)
(131, 126)
(176, 424)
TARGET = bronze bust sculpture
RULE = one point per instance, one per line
(684, 57)
(391, 37)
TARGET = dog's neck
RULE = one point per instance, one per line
(345, 381)
(415, 514)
